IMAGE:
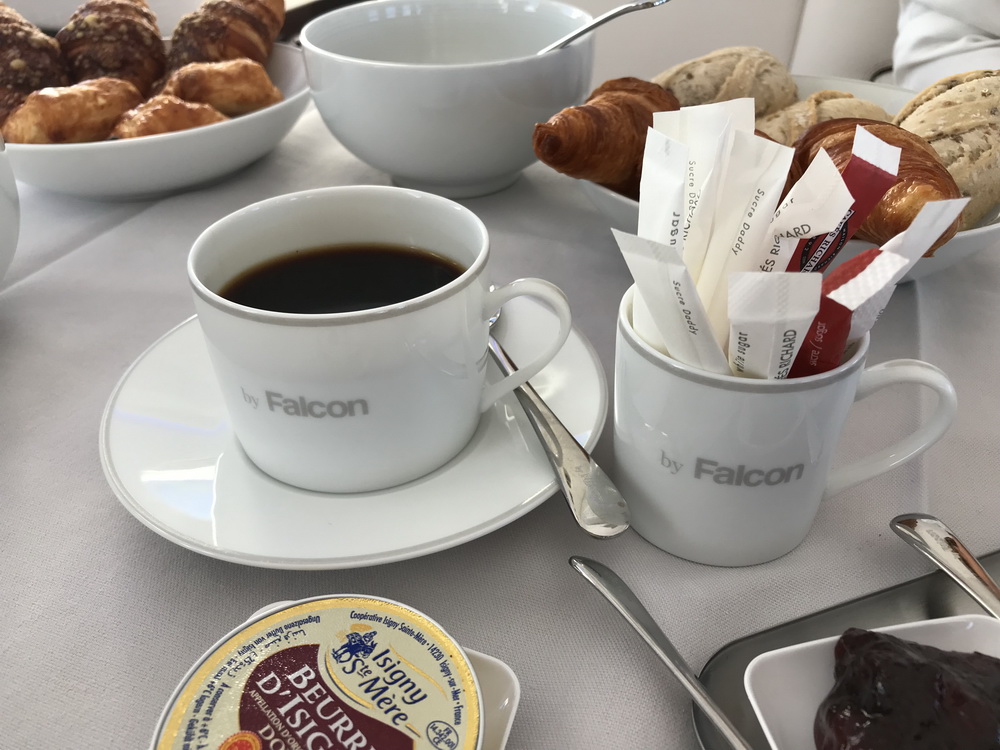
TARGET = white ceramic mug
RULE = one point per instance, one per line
(357, 401)
(731, 471)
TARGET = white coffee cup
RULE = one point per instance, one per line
(357, 401)
(731, 471)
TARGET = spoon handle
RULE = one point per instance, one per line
(599, 21)
(933, 538)
(616, 591)
(596, 503)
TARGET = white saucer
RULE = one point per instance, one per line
(170, 456)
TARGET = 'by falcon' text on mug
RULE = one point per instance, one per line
(730, 471)
(347, 328)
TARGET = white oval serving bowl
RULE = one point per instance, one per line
(623, 213)
(138, 168)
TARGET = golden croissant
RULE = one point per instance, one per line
(234, 87)
(164, 114)
(114, 38)
(83, 112)
(603, 139)
(226, 30)
(922, 177)
(29, 60)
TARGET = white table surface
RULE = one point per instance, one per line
(102, 617)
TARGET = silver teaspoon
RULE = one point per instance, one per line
(596, 503)
(600, 21)
(628, 605)
(933, 538)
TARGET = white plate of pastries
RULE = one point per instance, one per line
(110, 107)
(950, 120)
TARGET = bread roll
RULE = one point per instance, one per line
(732, 73)
(960, 117)
(786, 125)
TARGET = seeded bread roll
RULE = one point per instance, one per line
(960, 117)
(732, 73)
(786, 125)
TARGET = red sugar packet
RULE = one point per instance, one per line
(868, 174)
(845, 289)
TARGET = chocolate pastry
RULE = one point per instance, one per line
(29, 60)
(114, 38)
(603, 139)
(226, 30)
(893, 694)
(921, 178)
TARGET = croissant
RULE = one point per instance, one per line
(225, 30)
(922, 176)
(603, 139)
(114, 38)
(732, 73)
(233, 87)
(164, 114)
(960, 117)
(80, 113)
(787, 124)
(29, 60)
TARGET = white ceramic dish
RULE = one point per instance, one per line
(138, 168)
(786, 686)
(168, 452)
(623, 213)
(443, 95)
(10, 212)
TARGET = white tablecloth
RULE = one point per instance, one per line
(102, 617)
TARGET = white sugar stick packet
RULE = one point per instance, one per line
(770, 314)
(816, 204)
(755, 177)
(932, 220)
(661, 190)
(671, 302)
(661, 202)
(707, 130)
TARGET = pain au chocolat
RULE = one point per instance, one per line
(29, 60)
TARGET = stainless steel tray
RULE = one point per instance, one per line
(931, 596)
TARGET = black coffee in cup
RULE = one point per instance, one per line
(341, 278)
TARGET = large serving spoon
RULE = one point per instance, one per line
(596, 504)
(622, 598)
(600, 21)
(933, 538)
